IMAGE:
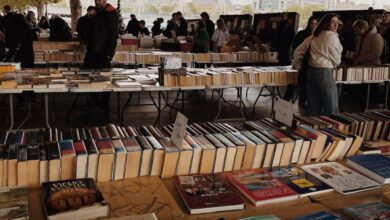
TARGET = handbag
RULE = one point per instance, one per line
(302, 74)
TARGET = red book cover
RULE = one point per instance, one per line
(95, 133)
(105, 146)
(207, 193)
(260, 187)
(79, 147)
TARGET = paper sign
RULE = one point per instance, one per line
(179, 129)
(284, 112)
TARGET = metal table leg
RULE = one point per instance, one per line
(257, 99)
(367, 98)
(128, 103)
(11, 111)
(220, 95)
(47, 110)
(118, 107)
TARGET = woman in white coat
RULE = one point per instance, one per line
(220, 36)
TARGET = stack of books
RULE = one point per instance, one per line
(371, 126)
(366, 73)
(56, 46)
(114, 152)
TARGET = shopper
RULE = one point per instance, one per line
(170, 31)
(133, 26)
(369, 44)
(103, 37)
(143, 30)
(324, 54)
(210, 26)
(85, 23)
(285, 37)
(201, 39)
(59, 30)
(305, 33)
(32, 21)
(43, 23)
(299, 38)
(221, 35)
(13, 31)
(182, 29)
(384, 30)
(156, 29)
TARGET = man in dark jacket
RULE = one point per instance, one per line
(285, 37)
(183, 27)
(13, 31)
(102, 38)
(133, 26)
(210, 26)
(84, 23)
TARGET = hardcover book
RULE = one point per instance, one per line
(14, 203)
(71, 198)
(260, 187)
(369, 211)
(207, 193)
(375, 166)
(319, 216)
(301, 182)
(341, 178)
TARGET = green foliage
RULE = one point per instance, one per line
(247, 9)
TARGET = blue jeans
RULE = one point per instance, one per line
(322, 96)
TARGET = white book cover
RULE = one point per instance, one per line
(341, 178)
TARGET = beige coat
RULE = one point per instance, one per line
(369, 48)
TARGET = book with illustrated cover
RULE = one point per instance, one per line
(73, 199)
(207, 193)
(260, 187)
(322, 215)
(14, 203)
(301, 182)
(375, 166)
(369, 211)
(341, 178)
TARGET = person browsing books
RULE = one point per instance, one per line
(324, 49)
(220, 36)
(369, 44)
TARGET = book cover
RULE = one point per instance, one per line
(341, 178)
(375, 166)
(70, 195)
(301, 182)
(14, 203)
(66, 147)
(207, 193)
(260, 187)
(369, 211)
(319, 216)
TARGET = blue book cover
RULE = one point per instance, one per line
(19, 137)
(66, 147)
(319, 216)
(376, 166)
(375, 210)
(298, 180)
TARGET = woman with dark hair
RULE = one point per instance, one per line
(305, 33)
(324, 49)
(43, 23)
(201, 39)
(221, 35)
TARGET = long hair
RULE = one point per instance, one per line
(309, 22)
(324, 23)
(221, 24)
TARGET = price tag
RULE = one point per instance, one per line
(284, 112)
(179, 129)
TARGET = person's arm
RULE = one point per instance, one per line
(335, 49)
(300, 52)
(112, 34)
(215, 36)
(374, 53)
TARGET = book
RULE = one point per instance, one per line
(70, 199)
(301, 182)
(260, 187)
(93, 157)
(319, 216)
(148, 216)
(54, 161)
(68, 159)
(375, 210)
(375, 166)
(341, 178)
(106, 160)
(207, 193)
(14, 203)
(264, 217)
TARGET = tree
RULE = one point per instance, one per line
(247, 9)
(75, 12)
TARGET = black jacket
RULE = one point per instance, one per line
(133, 27)
(104, 35)
(300, 37)
(156, 29)
(144, 31)
(59, 30)
(172, 26)
(83, 24)
(183, 28)
(13, 29)
(210, 27)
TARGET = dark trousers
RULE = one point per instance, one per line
(322, 97)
